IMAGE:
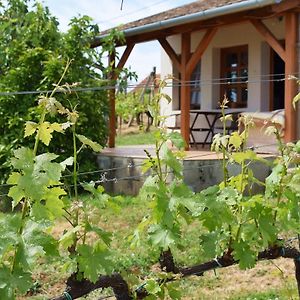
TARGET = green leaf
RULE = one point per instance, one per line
(45, 133)
(93, 260)
(44, 168)
(152, 286)
(163, 237)
(56, 127)
(86, 141)
(17, 194)
(176, 139)
(54, 204)
(10, 282)
(171, 161)
(209, 244)
(297, 146)
(9, 237)
(14, 178)
(22, 281)
(245, 255)
(174, 293)
(23, 159)
(241, 157)
(37, 241)
(68, 237)
(266, 227)
(104, 235)
(229, 195)
(99, 199)
(67, 162)
(235, 140)
(296, 99)
(30, 128)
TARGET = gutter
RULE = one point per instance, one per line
(199, 16)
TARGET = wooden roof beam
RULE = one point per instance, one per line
(284, 6)
(269, 37)
(125, 56)
(171, 53)
(202, 46)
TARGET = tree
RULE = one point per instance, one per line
(33, 54)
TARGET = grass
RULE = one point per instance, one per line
(265, 282)
(135, 138)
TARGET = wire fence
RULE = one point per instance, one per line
(108, 85)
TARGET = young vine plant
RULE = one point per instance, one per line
(235, 225)
(40, 201)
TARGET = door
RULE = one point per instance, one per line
(277, 81)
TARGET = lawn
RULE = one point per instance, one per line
(135, 138)
(269, 280)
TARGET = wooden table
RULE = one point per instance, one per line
(211, 116)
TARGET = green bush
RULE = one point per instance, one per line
(33, 54)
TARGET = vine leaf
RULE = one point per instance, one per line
(22, 159)
(68, 237)
(86, 141)
(67, 162)
(235, 140)
(91, 268)
(152, 286)
(54, 203)
(30, 128)
(244, 254)
(16, 194)
(45, 131)
(162, 237)
(209, 243)
(38, 241)
(176, 139)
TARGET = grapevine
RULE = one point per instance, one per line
(235, 225)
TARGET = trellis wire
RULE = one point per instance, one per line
(104, 172)
(173, 83)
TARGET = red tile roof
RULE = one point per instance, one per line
(194, 7)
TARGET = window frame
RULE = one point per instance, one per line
(228, 83)
(195, 87)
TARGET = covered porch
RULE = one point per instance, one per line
(247, 50)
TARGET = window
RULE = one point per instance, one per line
(234, 75)
(195, 87)
(195, 90)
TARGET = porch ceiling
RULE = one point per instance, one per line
(200, 15)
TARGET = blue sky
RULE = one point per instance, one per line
(108, 14)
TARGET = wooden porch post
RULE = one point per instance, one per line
(112, 102)
(112, 91)
(185, 88)
(291, 26)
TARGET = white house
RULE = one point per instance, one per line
(244, 49)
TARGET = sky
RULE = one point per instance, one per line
(108, 14)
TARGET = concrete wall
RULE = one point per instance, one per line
(235, 35)
(198, 174)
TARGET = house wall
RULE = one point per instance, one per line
(229, 36)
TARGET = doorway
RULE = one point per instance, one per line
(277, 81)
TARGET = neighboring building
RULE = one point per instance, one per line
(243, 49)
